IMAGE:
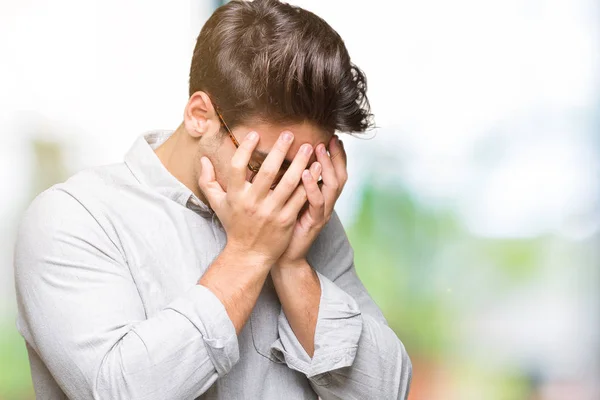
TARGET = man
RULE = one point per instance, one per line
(211, 264)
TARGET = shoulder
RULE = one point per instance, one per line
(51, 218)
(71, 211)
(50, 209)
(101, 180)
(73, 198)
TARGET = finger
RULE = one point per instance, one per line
(236, 180)
(338, 159)
(315, 170)
(270, 167)
(208, 184)
(330, 182)
(299, 198)
(291, 179)
(316, 201)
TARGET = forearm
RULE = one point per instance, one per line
(178, 352)
(165, 357)
(299, 292)
(237, 278)
(356, 354)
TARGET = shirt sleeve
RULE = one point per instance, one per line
(339, 325)
(80, 311)
(356, 354)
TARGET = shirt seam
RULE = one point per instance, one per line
(58, 189)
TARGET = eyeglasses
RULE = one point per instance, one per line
(253, 166)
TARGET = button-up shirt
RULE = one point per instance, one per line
(106, 271)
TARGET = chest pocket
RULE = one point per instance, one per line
(263, 320)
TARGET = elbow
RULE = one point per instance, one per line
(131, 370)
(121, 373)
(393, 362)
(403, 372)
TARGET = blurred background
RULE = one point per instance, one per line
(474, 211)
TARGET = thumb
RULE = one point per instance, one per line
(208, 183)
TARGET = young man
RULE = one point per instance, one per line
(211, 264)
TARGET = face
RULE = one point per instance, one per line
(269, 134)
(204, 127)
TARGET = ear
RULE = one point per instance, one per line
(199, 116)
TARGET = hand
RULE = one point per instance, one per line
(321, 201)
(258, 221)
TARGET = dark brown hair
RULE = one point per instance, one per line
(278, 63)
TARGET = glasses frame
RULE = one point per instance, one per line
(253, 169)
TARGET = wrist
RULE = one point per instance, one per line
(251, 258)
(292, 274)
(290, 265)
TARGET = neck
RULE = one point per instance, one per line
(178, 154)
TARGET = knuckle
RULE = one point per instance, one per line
(313, 187)
(278, 153)
(269, 173)
(320, 202)
(284, 220)
(282, 146)
(344, 179)
(251, 208)
(237, 164)
(288, 182)
(303, 196)
(247, 145)
(301, 192)
(268, 215)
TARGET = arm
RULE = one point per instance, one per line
(80, 311)
(299, 291)
(347, 350)
(356, 354)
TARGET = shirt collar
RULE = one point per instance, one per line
(147, 168)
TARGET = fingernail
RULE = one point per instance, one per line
(306, 174)
(252, 135)
(306, 149)
(322, 149)
(287, 136)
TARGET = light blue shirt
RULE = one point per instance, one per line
(106, 271)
